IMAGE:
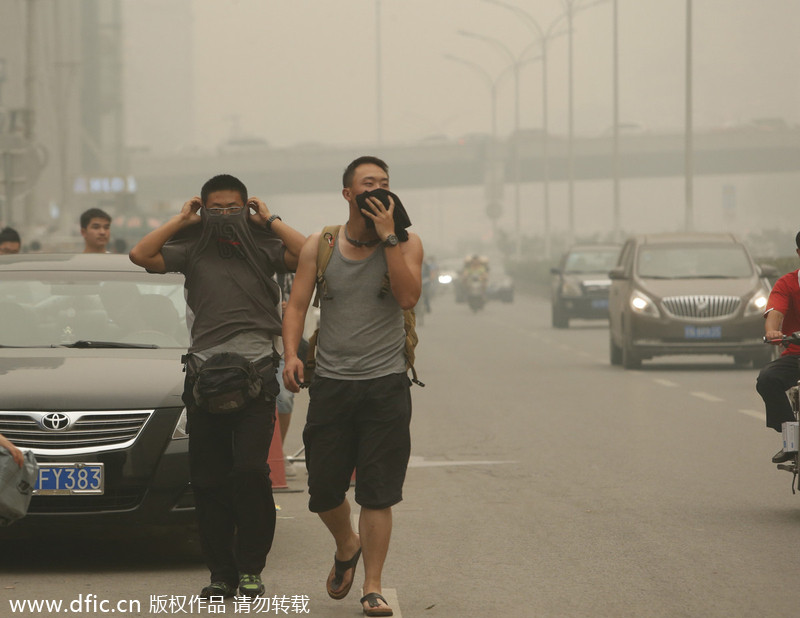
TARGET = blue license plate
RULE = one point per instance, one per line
(702, 332)
(600, 303)
(67, 479)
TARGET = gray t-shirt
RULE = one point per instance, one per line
(361, 335)
(230, 293)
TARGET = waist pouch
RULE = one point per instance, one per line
(226, 383)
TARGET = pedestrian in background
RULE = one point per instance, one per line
(229, 256)
(96, 230)
(10, 242)
(359, 411)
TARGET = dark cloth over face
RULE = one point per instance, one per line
(228, 262)
(401, 220)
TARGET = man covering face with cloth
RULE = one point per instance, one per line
(228, 247)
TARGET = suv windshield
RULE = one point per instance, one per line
(687, 262)
(591, 260)
(45, 309)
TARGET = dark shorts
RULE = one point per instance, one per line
(362, 425)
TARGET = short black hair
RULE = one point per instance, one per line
(350, 170)
(797, 240)
(9, 234)
(223, 182)
(93, 213)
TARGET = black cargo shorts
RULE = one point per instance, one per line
(361, 425)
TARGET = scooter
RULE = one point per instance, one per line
(476, 292)
(791, 429)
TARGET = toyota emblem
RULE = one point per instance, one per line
(55, 421)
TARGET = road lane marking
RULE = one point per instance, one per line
(708, 397)
(753, 413)
(664, 382)
(416, 461)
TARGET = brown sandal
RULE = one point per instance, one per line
(335, 586)
(375, 608)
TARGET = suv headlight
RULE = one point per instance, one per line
(757, 304)
(179, 433)
(641, 303)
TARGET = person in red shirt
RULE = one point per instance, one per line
(782, 317)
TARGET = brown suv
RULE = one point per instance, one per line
(691, 293)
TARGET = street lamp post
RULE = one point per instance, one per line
(492, 83)
(617, 224)
(571, 7)
(543, 38)
(688, 145)
(378, 74)
(515, 65)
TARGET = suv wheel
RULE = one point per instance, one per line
(630, 360)
(560, 317)
(615, 352)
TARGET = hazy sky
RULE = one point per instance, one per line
(304, 71)
(294, 71)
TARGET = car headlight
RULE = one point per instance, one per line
(570, 288)
(757, 304)
(179, 432)
(641, 303)
(445, 279)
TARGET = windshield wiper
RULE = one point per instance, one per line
(713, 277)
(83, 343)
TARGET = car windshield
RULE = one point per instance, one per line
(686, 262)
(591, 260)
(92, 309)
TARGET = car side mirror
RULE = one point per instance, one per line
(617, 273)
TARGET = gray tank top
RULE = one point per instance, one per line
(361, 336)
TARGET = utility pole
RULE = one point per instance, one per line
(689, 146)
(378, 74)
(617, 224)
(30, 101)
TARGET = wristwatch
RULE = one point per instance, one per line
(391, 241)
(271, 219)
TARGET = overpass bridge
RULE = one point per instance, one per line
(468, 163)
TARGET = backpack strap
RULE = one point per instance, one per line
(327, 240)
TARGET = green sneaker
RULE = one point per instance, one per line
(251, 586)
(217, 589)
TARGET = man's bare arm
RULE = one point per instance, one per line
(295, 315)
(147, 252)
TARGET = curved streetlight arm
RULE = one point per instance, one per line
(576, 6)
(491, 41)
(533, 24)
(491, 82)
(475, 67)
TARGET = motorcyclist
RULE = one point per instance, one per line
(782, 317)
(475, 271)
(475, 265)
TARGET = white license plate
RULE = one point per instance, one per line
(66, 479)
(600, 303)
(703, 332)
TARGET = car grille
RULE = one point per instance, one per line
(701, 307)
(80, 432)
